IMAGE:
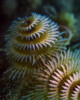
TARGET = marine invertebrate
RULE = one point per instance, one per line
(30, 42)
(60, 80)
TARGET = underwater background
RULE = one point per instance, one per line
(66, 13)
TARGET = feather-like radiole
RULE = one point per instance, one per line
(60, 80)
(30, 42)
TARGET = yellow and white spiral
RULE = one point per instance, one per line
(60, 80)
(32, 41)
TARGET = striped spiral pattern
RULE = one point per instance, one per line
(30, 42)
(60, 80)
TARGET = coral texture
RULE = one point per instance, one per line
(60, 80)
(30, 42)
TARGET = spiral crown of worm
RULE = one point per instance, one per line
(60, 80)
(30, 42)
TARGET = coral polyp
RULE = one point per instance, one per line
(30, 42)
(60, 80)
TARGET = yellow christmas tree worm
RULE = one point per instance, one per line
(30, 42)
(60, 80)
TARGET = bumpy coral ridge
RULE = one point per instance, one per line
(30, 41)
(60, 80)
